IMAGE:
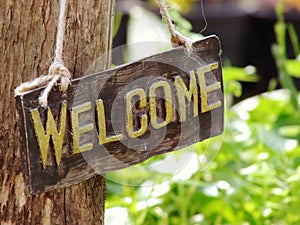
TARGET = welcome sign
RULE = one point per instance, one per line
(123, 116)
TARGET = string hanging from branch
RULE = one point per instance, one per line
(177, 39)
(57, 70)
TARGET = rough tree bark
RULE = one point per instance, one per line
(27, 42)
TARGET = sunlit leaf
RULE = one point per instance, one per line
(294, 38)
(247, 74)
(292, 131)
(117, 22)
(293, 68)
(233, 87)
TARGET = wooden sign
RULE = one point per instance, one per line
(123, 116)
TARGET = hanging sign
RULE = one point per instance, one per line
(123, 116)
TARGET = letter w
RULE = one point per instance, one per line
(43, 137)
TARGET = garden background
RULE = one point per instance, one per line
(251, 173)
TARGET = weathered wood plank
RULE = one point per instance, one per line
(121, 117)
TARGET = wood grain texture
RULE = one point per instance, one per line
(27, 42)
(111, 86)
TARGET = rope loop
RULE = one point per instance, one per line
(57, 70)
(177, 39)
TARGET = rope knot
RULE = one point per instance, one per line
(59, 69)
(57, 72)
(177, 39)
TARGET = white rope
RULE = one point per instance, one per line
(57, 70)
(177, 39)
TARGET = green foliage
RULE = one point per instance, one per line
(247, 74)
(293, 67)
(249, 175)
(287, 67)
(232, 77)
(253, 180)
(182, 24)
(117, 23)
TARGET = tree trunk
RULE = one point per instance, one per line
(27, 42)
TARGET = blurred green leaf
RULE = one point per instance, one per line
(293, 67)
(247, 74)
(291, 131)
(294, 38)
(233, 87)
(268, 137)
(117, 22)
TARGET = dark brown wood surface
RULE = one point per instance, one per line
(111, 87)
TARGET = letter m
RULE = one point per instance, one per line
(43, 136)
(190, 94)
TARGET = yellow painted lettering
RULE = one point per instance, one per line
(102, 137)
(204, 89)
(132, 133)
(43, 137)
(77, 130)
(189, 94)
(168, 104)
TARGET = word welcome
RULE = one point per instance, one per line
(197, 89)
